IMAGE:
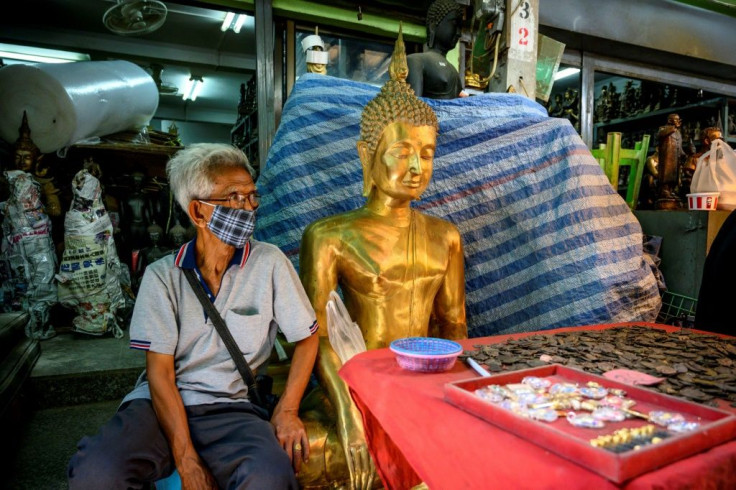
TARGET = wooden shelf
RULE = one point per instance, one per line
(127, 155)
(712, 103)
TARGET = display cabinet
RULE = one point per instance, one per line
(697, 113)
(655, 93)
(244, 133)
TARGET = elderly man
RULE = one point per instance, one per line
(190, 411)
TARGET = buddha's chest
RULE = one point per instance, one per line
(441, 79)
(393, 262)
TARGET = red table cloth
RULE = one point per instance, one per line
(414, 435)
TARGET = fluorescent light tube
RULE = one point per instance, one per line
(228, 21)
(40, 55)
(566, 72)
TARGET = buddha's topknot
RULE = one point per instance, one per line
(24, 141)
(396, 102)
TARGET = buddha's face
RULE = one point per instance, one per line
(401, 166)
(447, 32)
(24, 160)
(317, 68)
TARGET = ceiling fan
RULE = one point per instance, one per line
(134, 17)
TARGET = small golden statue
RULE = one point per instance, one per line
(401, 272)
(648, 194)
(314, 50)
(28, 158)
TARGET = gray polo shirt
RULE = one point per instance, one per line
(260, 293)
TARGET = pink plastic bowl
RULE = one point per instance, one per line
(426, 354)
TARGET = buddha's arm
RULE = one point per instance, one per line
(449, 309)
(415, 79)
(318, 272)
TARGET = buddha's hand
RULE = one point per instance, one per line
(361, 467)
(360, 464)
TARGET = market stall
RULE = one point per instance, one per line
(415, 435)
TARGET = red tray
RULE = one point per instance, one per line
(573, 443)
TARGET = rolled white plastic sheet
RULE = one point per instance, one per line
(69, 102)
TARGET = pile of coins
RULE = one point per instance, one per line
(694, 366)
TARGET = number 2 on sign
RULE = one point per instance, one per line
(524, 34)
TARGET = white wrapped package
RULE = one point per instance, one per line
(90, 270)
(69, 102)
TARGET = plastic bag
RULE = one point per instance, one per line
(716, 172)
(344, 334)
(28, 250)
(90, 270)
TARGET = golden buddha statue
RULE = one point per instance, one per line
(401, 272)
(28, 158)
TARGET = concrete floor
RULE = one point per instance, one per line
(75, 386)
(74, 353)
(47, 441)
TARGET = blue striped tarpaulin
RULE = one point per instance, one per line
(548, 242)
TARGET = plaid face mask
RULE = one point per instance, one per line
(231, 225)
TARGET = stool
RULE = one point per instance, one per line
(611, 157)
(171, 482)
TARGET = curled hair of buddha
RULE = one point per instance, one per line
(438, 10)
(396, 102)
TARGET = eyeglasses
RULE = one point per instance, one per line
(238, 200)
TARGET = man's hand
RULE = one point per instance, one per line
(172, 417)
(292, 436)
(195, 475)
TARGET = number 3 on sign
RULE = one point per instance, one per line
(522, 29)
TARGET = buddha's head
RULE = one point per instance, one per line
(398, 132)
(26, 151)
(443, 24)
(314, 51)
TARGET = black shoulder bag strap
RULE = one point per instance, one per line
(227, 337)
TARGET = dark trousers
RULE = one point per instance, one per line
(130, 450)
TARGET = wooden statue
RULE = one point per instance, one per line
(671, 157)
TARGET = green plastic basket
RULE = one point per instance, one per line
(677, 309)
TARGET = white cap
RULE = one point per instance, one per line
(311, 41)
